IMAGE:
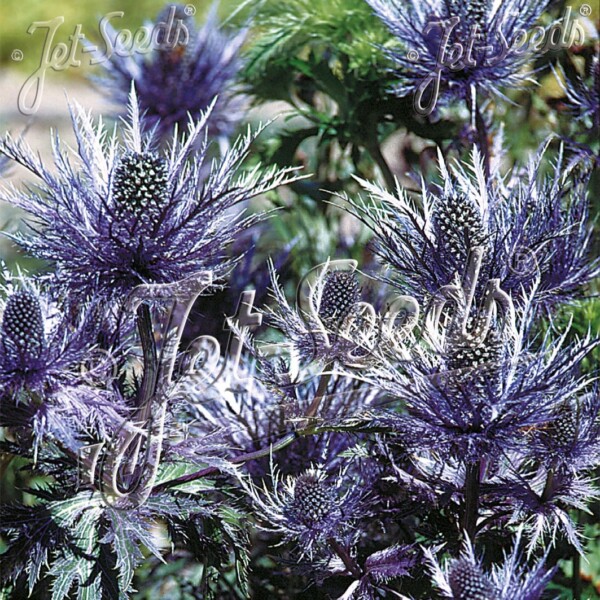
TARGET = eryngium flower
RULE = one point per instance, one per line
(22, 330)
(459, 406)
(468, 581)
(183, 74)
(447, 49)
(533, 230)
(570, 439)
(330, 326)
(126, 214)
(308, 509)
(339, 297)
(49, 370)
(39, 349)
(464, 578)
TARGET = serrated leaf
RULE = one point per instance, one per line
(86, 530)
(66, 512)
(65, 572)
(126, 549)
(81, 515)
(92, 591)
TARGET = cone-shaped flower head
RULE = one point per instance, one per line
(140, 190)
(459, 225)
(339, 297)
(308, 509)
(469, 582)
(23, 330)
(464, 578)
(125, 214)
(314, 501)
(532, 228)
(43, 345)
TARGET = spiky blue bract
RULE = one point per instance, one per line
(582, 92)
(446, 49)
(331, 327)
(41, 349)
(183, 74)
(51, 370)
(309, 509)
(543, 499)
(124, 213)
(472, 403)
(570, 439)
(464, 578)
(532, 228)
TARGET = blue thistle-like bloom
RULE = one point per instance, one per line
(469, 402)
(40, 350)
(504, 416)
(22, 329)
(182, 76)
(50, 370)
(308, 509)
(570, 440)
(449, 49)
(126, 214)
(532, 229)
(464, 578)
(329, 326)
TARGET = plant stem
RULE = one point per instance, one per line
(276, 446)
(576, 586)
(348, 561)
(146, 332)
(483, 141)
(376, 154)
(482, 133)
(472, 481)
(321, 392)
(549, 486)
(149, 381)
(236, 460)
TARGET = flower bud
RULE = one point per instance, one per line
(469, 582)
(23, 328)
(338, 297)
(140, 190)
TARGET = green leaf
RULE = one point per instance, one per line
(127, 551)
(64, 571)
